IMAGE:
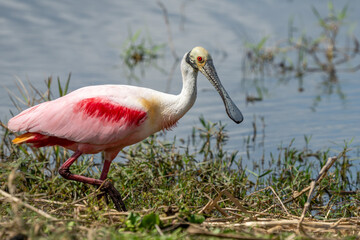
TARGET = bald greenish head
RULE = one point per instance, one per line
(200, 59)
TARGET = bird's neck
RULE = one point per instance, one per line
(185, 100)
(188, 92)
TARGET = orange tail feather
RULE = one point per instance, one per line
(24, 138)
(40, 140)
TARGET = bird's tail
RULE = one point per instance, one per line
(40, 140)
(26, 137)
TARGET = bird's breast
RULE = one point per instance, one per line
(152, 107)
(160, 115)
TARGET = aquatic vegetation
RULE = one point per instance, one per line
(302, 54)
(138, 52)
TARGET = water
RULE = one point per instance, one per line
(42, 38)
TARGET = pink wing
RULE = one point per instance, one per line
(97, 114)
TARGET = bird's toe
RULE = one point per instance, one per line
(114, 194)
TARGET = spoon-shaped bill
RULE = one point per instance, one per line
(231, 109)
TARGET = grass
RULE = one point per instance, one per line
(187, 190)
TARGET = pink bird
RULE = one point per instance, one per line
(107, 118)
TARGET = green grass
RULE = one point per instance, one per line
(164, 186)
(167, 185)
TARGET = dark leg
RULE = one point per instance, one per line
(103, 176)
(64, 171)
(109, 188)
(105, 170)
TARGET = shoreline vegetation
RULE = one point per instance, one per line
(178, 192)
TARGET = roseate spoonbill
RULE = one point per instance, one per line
(107, 118)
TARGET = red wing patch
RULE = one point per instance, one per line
(109, 111)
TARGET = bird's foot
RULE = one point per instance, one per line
(108, 189)
(104, 195)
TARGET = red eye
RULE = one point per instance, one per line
(199, 59)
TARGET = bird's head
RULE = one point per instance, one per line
(200, 59)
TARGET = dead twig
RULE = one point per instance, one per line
(315, 182)
(213, 203)
(19, 201)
